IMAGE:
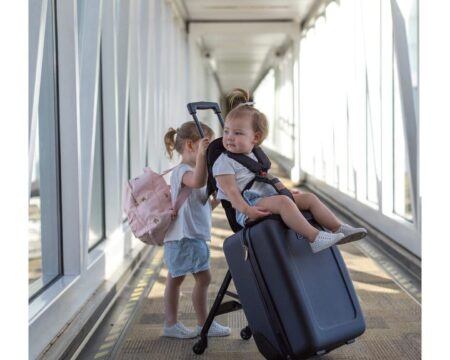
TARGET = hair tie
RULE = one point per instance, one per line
(248, 103)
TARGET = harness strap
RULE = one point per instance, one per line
(230, 212)
(262, 158)
(258, 167)
(266, 180)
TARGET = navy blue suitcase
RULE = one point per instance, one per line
(298, 304)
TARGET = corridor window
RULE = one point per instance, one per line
(402, 190)
(264, 96)
(128, 156)
(44, 261)
(409, 10)
(81, 6)
(126, 173)
(97, 214)
(372, 136)
(403, 199)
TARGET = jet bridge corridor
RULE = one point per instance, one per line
(339, 84)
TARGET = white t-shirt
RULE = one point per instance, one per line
(225, 165)
(194, 217)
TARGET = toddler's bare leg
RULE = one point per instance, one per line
(323, 215)
(171, 296)
(291, 215)
(199, 295)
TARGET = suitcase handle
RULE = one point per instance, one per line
(204, 105)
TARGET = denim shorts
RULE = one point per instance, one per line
(252, 198)
(186, 256)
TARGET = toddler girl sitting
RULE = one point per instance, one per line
(244, 128)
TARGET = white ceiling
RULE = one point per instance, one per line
(201, 10)
(242, 36)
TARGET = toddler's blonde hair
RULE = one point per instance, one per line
(239, 103)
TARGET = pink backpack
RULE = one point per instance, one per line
(148, 205)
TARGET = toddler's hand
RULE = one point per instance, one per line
(203, 145)
(256, 212)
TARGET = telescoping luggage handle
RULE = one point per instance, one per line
(204, 105)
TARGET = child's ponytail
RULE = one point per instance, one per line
(175, 139)
(169, 141)
(236, 97)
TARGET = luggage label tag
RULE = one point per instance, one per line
(245, 248)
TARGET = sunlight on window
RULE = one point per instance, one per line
(341, 76)
(97, 214)
(264, 98)
(44, 236)
(34, 221)
(402, 191)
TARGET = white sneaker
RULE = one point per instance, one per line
(325, 240)
(179, 331)
(216, 330)
(351, 233)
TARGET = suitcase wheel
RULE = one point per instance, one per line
(200, 346)
(246, 333)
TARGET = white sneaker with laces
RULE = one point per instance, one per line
(179, 331)
(216, 330)
(351, 233)
(325, 240)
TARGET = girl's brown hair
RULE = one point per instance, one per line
(236, 101)
(175, 139)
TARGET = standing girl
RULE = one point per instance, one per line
(185, 245)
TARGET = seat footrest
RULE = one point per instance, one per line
(228, 306)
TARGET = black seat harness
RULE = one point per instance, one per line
(260, 168)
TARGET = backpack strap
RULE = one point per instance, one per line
(183, 194)
(168, 170)
(181, 198)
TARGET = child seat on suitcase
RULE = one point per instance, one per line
(291, 314)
